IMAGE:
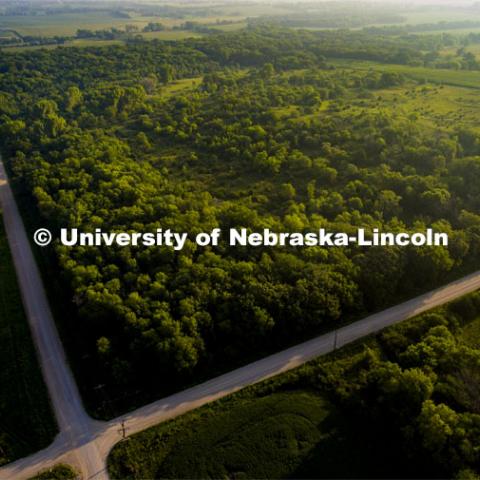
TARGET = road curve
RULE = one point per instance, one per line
(84, 442)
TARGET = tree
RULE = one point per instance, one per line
(287, 191)
(74, 98)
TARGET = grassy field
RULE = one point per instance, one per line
(171, 35)
(475, 49)
(165, 35)
(434, 15)
(459, 78)
(243, 437)
(254, 9)
(26, 421)
(180, 86)
(73, 43)
(20, 48)
(231, 27)
(269, 430)
(433, 106)
(453, 31)
(67, 24)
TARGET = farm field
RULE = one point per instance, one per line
(439, 14)
(170, 35)
(469, 79)
(68, 24)
(252, 9)
(252, 437)
(27, 423)
(453, 31)
(73, 43)
(230, 27)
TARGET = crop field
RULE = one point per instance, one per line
(170, 35)
(434, 15)
(230, 27)
(454, 31)
(85, 42)
(266, 437)
(73, 43)
(27, 424)
(254, 9)
(469, 79)
(68, 24)
(27, 48)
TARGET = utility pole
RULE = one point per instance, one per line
(124, 432)
(335, 338)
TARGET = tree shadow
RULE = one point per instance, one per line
(352, 451)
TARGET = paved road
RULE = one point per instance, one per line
(85, 443)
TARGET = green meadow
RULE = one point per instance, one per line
(459, 78)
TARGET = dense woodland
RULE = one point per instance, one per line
(260, 137)
(419, 392)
